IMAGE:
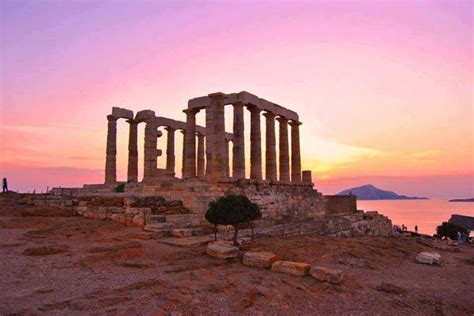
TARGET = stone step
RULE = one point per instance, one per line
(290, 267)
(155, 219)
(161, 227)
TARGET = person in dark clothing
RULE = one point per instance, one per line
(416, 228)
(4, 185)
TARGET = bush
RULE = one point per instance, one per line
(232, 210)
(120, 188)
(449, 230)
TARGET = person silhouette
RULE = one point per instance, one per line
(4, 185)
(416, 228)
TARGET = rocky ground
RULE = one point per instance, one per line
(54, 262)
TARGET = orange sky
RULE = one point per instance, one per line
(382, 89)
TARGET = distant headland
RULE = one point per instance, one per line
(462, 200)
(370, 192)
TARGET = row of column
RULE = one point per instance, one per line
(217, 149)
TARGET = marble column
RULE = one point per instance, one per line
(255, 144)
(209, 138)
(151, 151)
(226, 158)
(184, 154)
(170, 156)
(200, 156)
(132, 171)
(284, 154)
(270, 150)
(295, 152)
(238, 149)
(190, 140)
(218, 137)
(111, 150)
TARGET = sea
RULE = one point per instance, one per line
(427, 214)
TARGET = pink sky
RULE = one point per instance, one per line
(384, 89)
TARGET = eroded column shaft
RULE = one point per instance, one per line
(295, 152)
(284, 154)
(200, 156)
(111, 150)
(132, 171)
(238, 149)
(270, 150)
(190, 140)
(170, 155)
(255, 145)
(151, 151)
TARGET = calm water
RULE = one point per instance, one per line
(427, 214)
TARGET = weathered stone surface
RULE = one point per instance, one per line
(428, 257)
(326, 275)
(290, 267)
(223, 251)
(181, 232)
(157, 227)
(259, 259)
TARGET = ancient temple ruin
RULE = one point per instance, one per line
(167, 205)
(283, 191)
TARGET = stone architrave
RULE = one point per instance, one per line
(270, 149)
(132, 171)
(190, 140)
(295, 152)
(255, 144)
(111, 150)
(170, 155)
(238, 149)
(151, 151)
(284, 154)
(200, 172)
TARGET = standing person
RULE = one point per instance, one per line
(416, 228)
(4, 185)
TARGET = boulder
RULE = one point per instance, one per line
(259, 259)
(290, 267)
(326, 275)
(428, 257)
(181, 232)
(220, 250)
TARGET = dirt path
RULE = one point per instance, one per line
(63, 264)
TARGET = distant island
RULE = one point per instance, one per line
(370, 192)
(462, 200)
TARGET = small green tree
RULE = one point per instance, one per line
(232, 210)
(449, 230)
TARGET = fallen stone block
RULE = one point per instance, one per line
(428, 257)
(223, 251)
(290, 267)
(326, 275)
(259, 259)
(181, 232)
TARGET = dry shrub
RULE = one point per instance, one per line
(43, 251)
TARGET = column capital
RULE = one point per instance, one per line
(238, 104)
(111, 117)
(132, 122)
(282, 119)
(269, 114)
(253, 109)
(191, 111)
(170, 129)
(295, 123)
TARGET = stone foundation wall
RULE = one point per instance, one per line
(340, 204)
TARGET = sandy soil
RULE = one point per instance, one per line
(62, 264)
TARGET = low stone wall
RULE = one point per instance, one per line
(340, 204)
(277, 201)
